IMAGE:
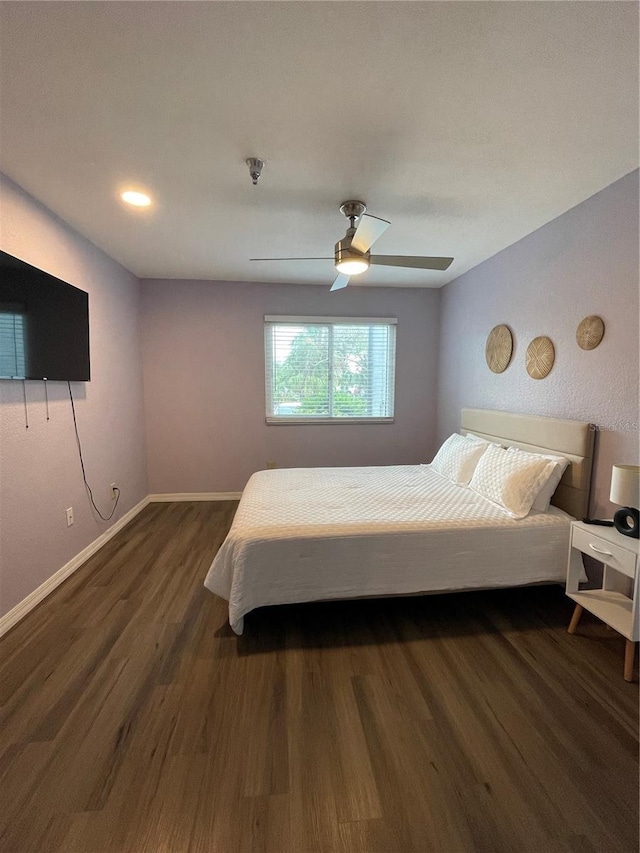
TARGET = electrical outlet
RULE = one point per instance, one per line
(114, 491)
(70, 516)
(271, 464)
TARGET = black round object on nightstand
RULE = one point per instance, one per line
(627, 521)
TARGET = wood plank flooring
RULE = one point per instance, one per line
(134, 721)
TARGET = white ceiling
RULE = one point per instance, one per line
(468, 125)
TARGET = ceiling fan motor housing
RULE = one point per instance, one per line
(344, 252)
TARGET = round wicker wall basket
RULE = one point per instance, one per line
(540, 357)
(499, 348)
(590, 332)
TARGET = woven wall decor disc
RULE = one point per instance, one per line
(540, 357)
(590, 332)
(499, 348)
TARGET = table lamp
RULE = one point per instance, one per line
(625, 491)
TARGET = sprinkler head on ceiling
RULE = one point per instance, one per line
(255, 168)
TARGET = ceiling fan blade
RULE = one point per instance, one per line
(414, 261)
(368, 230)
(290, 259)
(341, 281)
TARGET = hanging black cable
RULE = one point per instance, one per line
(84, 476)
(26, 408)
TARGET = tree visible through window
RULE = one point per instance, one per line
(329, 368)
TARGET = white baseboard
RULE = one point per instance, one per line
(196, 496)
(27, 604)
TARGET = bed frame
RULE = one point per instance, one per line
(572, 439)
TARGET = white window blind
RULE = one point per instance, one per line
(12, 355)
(329, 369)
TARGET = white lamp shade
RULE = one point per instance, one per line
(625, 485)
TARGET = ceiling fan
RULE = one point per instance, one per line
(351, 254)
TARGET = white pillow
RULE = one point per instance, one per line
(478, 438)
(458, 457)
(510, 481)
(560, 464)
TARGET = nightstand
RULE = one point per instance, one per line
(616, 602)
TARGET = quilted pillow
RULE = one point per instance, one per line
(560, 464)
(479, 438)
(458, 457)
(510, 481)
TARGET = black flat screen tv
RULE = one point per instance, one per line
(44, 325)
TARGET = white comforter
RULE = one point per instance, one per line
(306, 534)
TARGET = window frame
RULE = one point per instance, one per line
(295, 320)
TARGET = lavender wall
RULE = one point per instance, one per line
(39, 469)
(585, 262)
(203, 356)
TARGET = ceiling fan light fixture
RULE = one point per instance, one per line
(136, 198)
(348, 260)
(352, 266)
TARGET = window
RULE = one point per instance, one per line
(329, 369)
(12, 353)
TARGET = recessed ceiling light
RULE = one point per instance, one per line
(135, 198)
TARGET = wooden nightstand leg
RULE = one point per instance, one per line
(629, 654)
(577, 613)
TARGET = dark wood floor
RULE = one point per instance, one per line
(134, 720)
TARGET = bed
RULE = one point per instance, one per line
(310, 534)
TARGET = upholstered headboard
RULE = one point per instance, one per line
(573, 439)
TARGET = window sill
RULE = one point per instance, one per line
(271, 421)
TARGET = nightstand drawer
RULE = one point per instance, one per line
(613, 555)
